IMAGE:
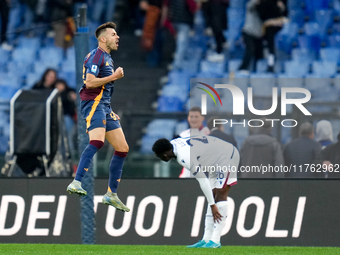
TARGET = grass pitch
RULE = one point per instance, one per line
(70, 249)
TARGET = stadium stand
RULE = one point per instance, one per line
(330, 54)
(308, 52)
(308, 56)
(156, 129)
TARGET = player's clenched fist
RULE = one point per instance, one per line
(119, 73)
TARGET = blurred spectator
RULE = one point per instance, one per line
(324, 133)
(152, 32)
(78, 3)
(331, 157)
(215, 12)
(25, 15)
(42, 11)
(62, 22)
(272, 13)
(217, 130)
(4, 14)
(252, 32)
(47, 80)
(195, 119)
(103, 10)
(181, 15)
(68, 99)
(29, 7)
(261, 149)
(303, 151)
(136, 15)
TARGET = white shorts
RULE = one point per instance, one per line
(227, 174)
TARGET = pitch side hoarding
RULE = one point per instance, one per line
(171, 211)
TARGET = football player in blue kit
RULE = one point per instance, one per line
(101, 122)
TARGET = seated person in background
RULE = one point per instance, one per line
(195, 119)
(47, 80)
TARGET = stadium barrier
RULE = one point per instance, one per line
(171, 212)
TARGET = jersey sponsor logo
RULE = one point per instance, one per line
(86, 169)
(204, 139)
(93, 68)
(107, 63)
(118, 180)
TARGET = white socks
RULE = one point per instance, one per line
(212, 231)
(209, 225)
(218, 227)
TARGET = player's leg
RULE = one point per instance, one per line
(222, 205)
(208, 228)
(221, 186)
(209, 223)
(95, 126)
(97, 137)
(209, 219)
(116, 138)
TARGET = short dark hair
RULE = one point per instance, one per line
(103, 27)
(161, 146)
(61, 81)
(195, 109)
(211, 125)
(306, 129)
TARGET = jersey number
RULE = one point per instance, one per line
(204, 139)
(113, 115)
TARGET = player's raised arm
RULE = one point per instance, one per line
(94, 82)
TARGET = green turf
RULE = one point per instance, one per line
(68, 249)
